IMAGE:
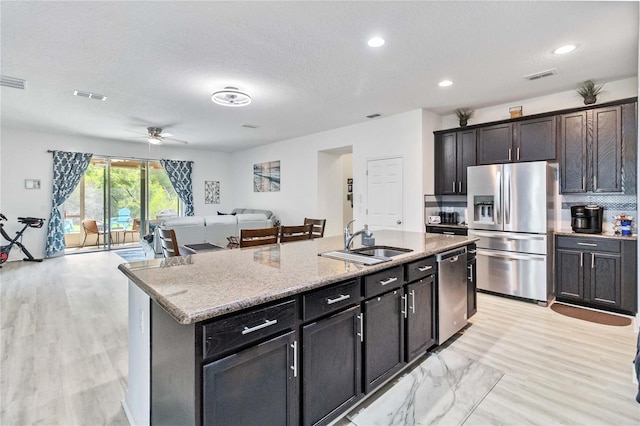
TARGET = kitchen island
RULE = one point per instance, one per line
(298, 337)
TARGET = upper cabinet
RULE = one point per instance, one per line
(453, 153)
(599, 150)
(526, 140)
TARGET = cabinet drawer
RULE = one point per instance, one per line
(330, 299)
(421, 268)
(383, 281)
(589, 244)
(238, 330)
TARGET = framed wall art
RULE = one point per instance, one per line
(266, 177)
(211, 192)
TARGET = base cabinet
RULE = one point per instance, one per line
(420, 317)
(268, 374)
(598, 272)
(383, 338)
(331, 374)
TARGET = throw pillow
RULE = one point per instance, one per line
(224, 214)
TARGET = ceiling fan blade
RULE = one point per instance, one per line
(176, 140)
(165, 135)
(139, 133)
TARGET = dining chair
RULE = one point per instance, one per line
(134, 229)
(295, 233)
(258, 237)
(169, 243)
(318, 226)
(91, 227)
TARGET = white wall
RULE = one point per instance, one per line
(614, 90)
(23, 155)
(399, 135)
(329, 192)
(347, 172)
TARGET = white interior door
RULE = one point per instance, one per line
(384, 194)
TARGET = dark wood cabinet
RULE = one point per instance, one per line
(383, 338)
(526, 140)
(472, 296)
(331, 359)
(453, 153)
(268, 374)
(598, 150)
(535, 140)
(420, 314)
(598, 272)
(574, 160)
(495, 144)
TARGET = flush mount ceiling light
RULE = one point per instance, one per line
(445, 83)
(231, 96)
(375, 42)
(565, 49)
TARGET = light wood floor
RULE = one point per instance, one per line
(64, 353)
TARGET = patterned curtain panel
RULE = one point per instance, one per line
(68, 169)
(180, 177)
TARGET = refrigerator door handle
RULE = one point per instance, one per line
(506, 235)
(507, 198)
(498, 202)
(507, 255)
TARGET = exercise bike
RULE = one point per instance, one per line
(29, 222)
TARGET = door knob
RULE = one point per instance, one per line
(399, 222)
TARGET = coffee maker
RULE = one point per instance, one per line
(586, 219)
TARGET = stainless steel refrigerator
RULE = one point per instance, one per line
(511, 209)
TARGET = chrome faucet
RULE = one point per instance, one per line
(348, 237)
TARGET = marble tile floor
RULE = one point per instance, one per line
(63, 356)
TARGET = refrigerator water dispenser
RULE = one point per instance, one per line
(483, 208)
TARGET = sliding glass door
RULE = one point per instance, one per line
(118, 201)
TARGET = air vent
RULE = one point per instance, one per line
(14, 83)
(89, 95)
(541, 74)
(250, 126)
(373, 115)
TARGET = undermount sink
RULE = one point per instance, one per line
(381, 251)
(367, 255)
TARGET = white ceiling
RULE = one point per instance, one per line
(306, 64)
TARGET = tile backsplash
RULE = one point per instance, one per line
(613, 204)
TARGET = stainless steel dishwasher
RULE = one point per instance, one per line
(452, 292)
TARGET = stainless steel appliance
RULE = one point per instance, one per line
(452, 292)
(586, 219)
(512, 212)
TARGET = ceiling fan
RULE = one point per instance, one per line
(156, 136)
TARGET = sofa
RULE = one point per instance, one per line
(213, 229)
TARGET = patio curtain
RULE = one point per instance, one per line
(68, 169)
(180, 177)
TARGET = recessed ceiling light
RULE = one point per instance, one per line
(375, 42)
(565, 49)
(231, 96)
(445, 83)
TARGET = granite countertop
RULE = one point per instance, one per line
(206, 285)
(569, 232)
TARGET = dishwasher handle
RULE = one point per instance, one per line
(451, 255)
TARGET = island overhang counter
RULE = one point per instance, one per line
(176, 307)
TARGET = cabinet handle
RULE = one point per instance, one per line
(584, 183)
(448, 233)
(460, 186)
(593, 260)
(581, 259)
(389, 281)
(424, 268)
(404, 303)
(294, 367)
(413, 301)
(470, 277)
(453, 186)
(266, 323)
(338, 299)
(361, 334)
(595, 182)
(588, 244)
(509, 154)
(472, 251)
(518, 154)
